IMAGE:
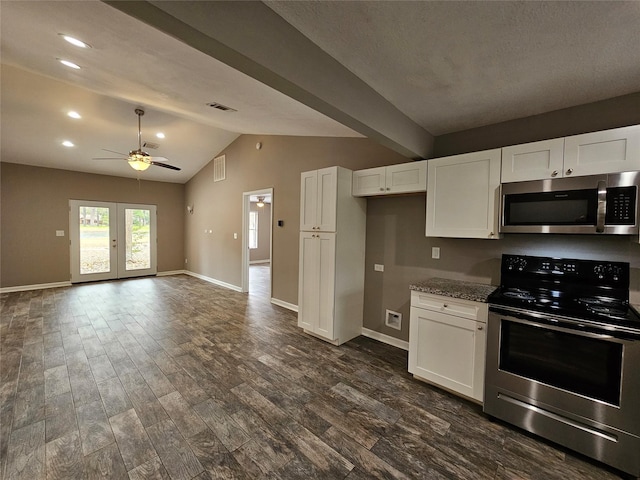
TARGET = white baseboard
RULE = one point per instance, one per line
(171, 272)
(283, 304)
(214, 281)
(389, 340)
(38, 286)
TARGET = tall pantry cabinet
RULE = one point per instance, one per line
(332, 244)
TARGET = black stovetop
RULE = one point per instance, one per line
(588, 290)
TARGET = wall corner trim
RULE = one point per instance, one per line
(37, 286)
(283, 304)
(214, 281)
(389, 340)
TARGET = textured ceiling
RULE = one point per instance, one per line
(447, 66)
(451, 66)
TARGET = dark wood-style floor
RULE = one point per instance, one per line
(172, 377)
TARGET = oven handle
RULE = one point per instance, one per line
(602, 206)
(576, 328)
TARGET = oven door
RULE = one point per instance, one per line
(575, 387)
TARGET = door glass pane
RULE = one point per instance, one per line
(94, 240)
(137, 239)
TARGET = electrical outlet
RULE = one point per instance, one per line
(435, 252)
(186, 260)
(378, 268)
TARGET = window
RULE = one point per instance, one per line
(253, 229)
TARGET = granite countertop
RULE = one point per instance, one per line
(476, 292)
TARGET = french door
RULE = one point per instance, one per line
(111, 240)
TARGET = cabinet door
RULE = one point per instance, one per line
(447, 351)
(533, 161)
(326, 202)
(463, 195)
(406, 177)
(609, 151)
(326, 284)
(308, 200)
(370, 181)
(308, 299)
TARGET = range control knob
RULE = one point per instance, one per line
(516, 263)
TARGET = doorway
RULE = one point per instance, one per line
(257, 249)
(111, 240)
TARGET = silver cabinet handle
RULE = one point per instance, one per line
(569, 171)
(554, 173)
(381, 189)
(602, 206)
(445, 306)
(480, 327)
(388, 188)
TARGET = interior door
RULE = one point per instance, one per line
(111, 240)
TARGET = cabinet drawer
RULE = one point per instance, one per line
(451, 306)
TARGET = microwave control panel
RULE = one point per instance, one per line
(621, 206)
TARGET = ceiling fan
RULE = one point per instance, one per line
(138, 159)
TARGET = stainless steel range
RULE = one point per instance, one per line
(563, 356)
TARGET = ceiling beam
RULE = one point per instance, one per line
(253, 39)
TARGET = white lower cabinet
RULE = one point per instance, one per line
(447, 343)
(316, 299)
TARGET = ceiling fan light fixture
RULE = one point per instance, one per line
(138, 164)
(139, 160)
(260, 202)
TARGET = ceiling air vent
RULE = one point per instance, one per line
(151, 145)
(219, 106)
(219, 169)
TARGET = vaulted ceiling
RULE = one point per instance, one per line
(397, 72)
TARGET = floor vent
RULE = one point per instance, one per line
(219, 169)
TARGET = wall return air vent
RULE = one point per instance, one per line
(219, 169)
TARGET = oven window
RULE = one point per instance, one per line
(573, 207)
(582, 365)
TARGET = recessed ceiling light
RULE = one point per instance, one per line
(69, 64)
(67, 143)
(73, 114)
(160, 135)
(74, 41)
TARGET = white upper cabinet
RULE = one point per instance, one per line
(393, 179)
(533, 161)
(318, 195)
(608, 151)
(463, 195)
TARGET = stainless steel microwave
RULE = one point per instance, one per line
(594, 204)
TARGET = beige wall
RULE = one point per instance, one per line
(35, 203)
(218, 205)
(263, 252)
(395, 238)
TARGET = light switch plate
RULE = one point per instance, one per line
(59, 233)
(378, 268)
(435, 252)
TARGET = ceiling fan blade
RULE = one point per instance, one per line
(113, 151)
(165, 165)
(108, 158)
(158, 159)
